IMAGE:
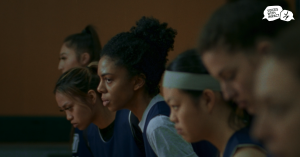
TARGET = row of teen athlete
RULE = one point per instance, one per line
(244, 69)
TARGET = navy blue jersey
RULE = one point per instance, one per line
(122, 142)
(202, 149)
(80, 147)
(240, 139)
(205, 149)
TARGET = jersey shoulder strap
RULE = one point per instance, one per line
(86, 139)
(136, 132)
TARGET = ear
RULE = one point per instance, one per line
(209, 99)
(92, 97)
(139, 81)
(84, 59)
(263, 47)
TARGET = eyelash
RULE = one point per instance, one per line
(68, 108)
(62, 58)
(108, 80)
(175, 107)
(231, 76)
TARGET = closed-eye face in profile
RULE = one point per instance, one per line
(189, 115)
(78, 113)
(235, 73)
(277, 121)
(79, 49)
(232, 48)
(116, 85)
(68, 59)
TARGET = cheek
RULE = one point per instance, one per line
(70, 63)
(121, 93)
(290, 128)
(82, 114)
(245, 79)
(188, 118)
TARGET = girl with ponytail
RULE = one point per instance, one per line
(130, 70)
(79, 50)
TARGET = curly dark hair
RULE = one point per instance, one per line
(86, 41)
(239, 24)
(143, 50)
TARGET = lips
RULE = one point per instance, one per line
(179, 131)
(105, 101)
(74, 125)
(242, 104)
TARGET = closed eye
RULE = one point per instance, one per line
(62, 58)
(175, 107)
(67, 108)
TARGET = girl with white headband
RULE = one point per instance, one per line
(199, 111)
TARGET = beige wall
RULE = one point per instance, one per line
(32, 32)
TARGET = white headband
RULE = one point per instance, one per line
(189, 81)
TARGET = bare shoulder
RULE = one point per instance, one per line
(249, 152)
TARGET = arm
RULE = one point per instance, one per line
(165, 141)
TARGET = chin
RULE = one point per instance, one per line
(187, 138)
(114, 108)
(82, 127)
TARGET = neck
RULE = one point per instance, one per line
(103, 117)
(139, 104)
(221, 137)
(221, 131)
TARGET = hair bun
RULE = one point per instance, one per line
(156, 34)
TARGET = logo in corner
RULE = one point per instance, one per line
(275, 12)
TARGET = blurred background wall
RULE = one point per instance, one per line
(32, 33)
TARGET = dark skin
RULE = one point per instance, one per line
(120, 90)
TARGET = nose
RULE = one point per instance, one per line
(69, 116)
(173, 117)
(101, 87)
(228, 92)
(60, 66)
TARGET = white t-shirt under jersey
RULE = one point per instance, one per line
(162, 135)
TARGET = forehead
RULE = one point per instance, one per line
(275, 79)
(218, 59)
(62, 98)
(66, 50)
(106, 64)
(172, 94)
